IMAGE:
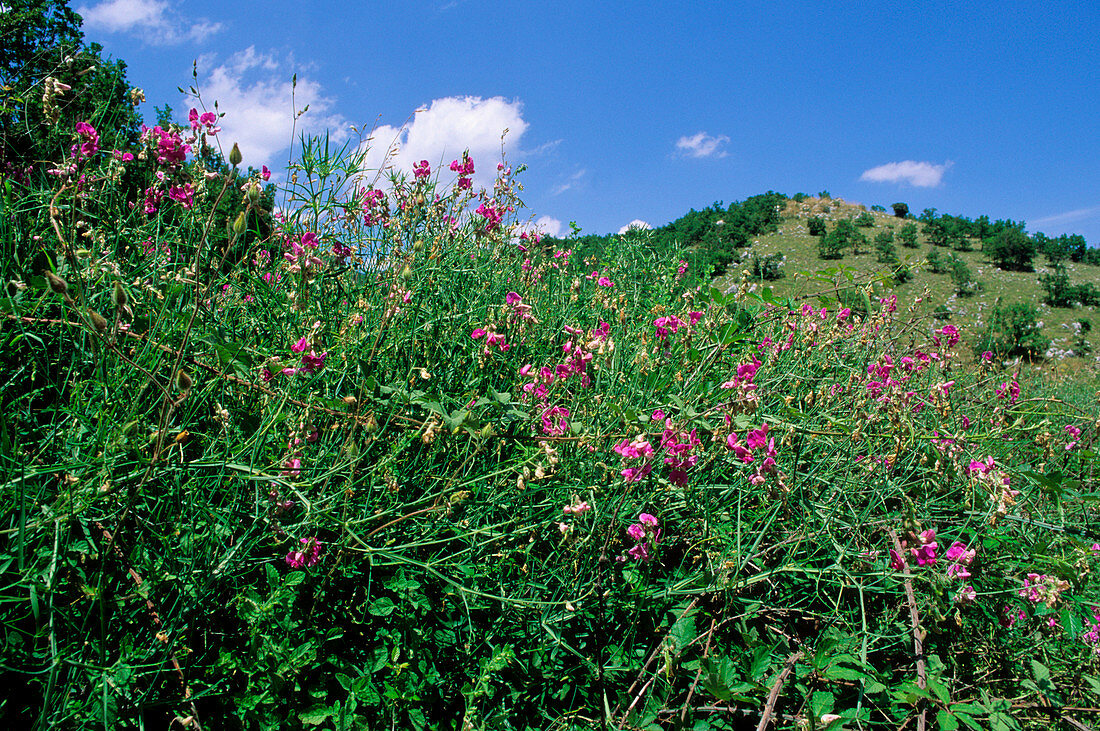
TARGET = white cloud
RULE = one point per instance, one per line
(917, 174)
(254, 90)
(1060, 219)
(441, 131)
(573, 182)
(701, 144)
(545, 225)
(153, 21)
(637, 223)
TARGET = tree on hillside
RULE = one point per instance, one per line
(901, 210)
(1011, 249)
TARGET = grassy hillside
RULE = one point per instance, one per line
(806, 273)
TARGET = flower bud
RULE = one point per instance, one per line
(119, 298)
(240, 223)
(418, 245)
(253, 194)
(406, 272)
(183, 380)
(235, 155)
(98, 321)
(57, 284)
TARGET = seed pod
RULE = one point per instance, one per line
(98, 321)
(240, 223)
(57, 284)
(254, 193)
(406, 272)
(235, 157)
(418, 245)
(119, 298)
(183, 380)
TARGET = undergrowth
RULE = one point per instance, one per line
(387, 460)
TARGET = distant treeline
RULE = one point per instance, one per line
(712, 236)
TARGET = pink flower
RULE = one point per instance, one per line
(307, 557)
(477, 333)
(300, 346)
(636, 531)
(312, 362)
(647, 520)
(604, 282)
(966, 595)
(897, 560)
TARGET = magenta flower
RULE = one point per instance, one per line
(300, 346)
(477, 333)
(307, 557)
(897, 560)
(312, 362)
(636, 531)
(604, 282)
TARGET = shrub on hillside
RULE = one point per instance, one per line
(962, 277)
(1013, 330)
(864, 220)
(938, 262)
(1011, 249)
(907, 236)
(885, 251)
(816, 226)
(769, 267)
(901, 210)
(1056, 285)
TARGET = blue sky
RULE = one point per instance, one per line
(642, 110)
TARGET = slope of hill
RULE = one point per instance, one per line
(806, 273)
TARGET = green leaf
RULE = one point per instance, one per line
(946, 721)
(382, 607)
(316, 716)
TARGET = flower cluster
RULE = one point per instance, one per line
(638, 448)
(662, 326)
(375, 207)
(996, 482)
(302, 256)
(422, 170)
(755, 440)
(90, 141)
(644, 533)
(205, 122)
(465, 170)
(307, 556)
(961, 557)
(924, 552)
(1043, 588)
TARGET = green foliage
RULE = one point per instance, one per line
(1059, 292)
(816, 226)
(1011, 248)
(1013, 330)
(370, 468)
(962, 277)
(938, 262)
(885, 251)
(769, 267)
(43, 47)
(907, 236)
(864, 220)
(901, 210)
